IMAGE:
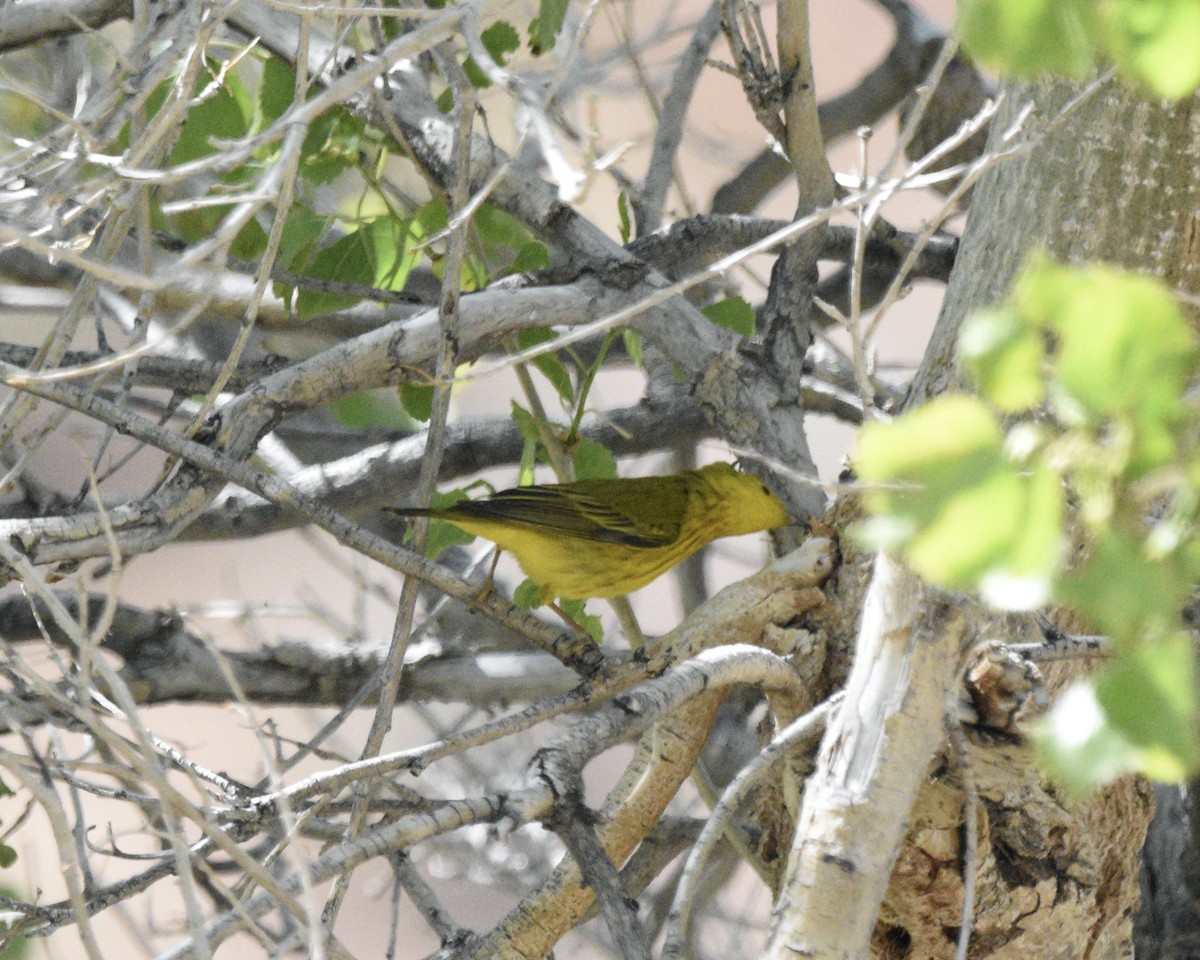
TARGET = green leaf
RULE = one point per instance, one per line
(346, 260)
(1004, 354)
(8, 856)
(1125, 593)
(372, 408)
(250, 242)
(544, 28)
(1137, 716)
(443, 534)
(276, 89)
(379, 253)
(507, 245)
(1023, 576)
(417, 399)
(432, 217)
(1125, 346)
(1155, 42)
(1077, 744)
(531, 257)
(944, 493)
(1150, 697)
(301, 233)
(224, 112)
(500, 39)
(526, 423)
(591, 625)
(633, 347)
(332, 146)
(733, 314)
(950, 428)
(1027, 38)
(528, 595)
(593, 461)
(1125, 353)
(550, 366)
(626, 223)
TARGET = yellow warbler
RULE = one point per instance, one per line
(604, 538)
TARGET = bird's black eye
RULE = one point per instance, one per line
(764, 489)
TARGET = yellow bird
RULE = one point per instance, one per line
(605, 538)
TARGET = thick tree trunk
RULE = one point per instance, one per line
(1167, 926)
(1114, 180)
(1111, 178)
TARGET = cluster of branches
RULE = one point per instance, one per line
(96, 214)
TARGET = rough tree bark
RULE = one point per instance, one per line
(1112, 180)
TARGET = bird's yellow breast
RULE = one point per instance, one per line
(574, 569)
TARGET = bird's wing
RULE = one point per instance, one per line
(568, 511)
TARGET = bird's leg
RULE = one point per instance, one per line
(490, 580)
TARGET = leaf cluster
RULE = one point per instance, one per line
(1071, 478)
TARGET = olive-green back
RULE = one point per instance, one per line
(639, 512)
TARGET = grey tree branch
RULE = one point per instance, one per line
(31, 20)
(165, 660)
(912, 54)
(648, 208)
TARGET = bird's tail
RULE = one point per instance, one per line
(410, 511)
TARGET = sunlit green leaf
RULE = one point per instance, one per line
(1155, 42)
(1126, 594)
(1004, 355)
(968, 523)
(1149, 695)
(1077, 744)
(379, 253)
(1027, 38)
(941, 487)
(1124, 347)
(1023, 576)
(1123, 352)
(950, 428)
